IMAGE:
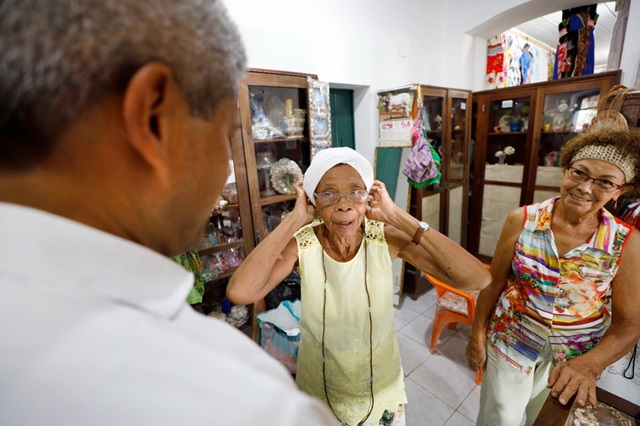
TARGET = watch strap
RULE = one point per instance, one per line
(418, 234)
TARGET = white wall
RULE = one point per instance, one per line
(360, 43)
(352, 43)
(630, 61)
(488, 18)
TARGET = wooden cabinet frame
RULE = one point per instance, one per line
(483, 132)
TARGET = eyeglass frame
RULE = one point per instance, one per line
(341, 196)
(587, 178)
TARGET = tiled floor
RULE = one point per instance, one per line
(441, 388)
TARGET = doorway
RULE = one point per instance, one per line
(342, 122)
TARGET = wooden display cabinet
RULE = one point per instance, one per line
(535, 120)
(261, 150)
(444, 206)
(229, 237)
(237, 228)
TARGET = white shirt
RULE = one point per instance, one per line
(94, 329)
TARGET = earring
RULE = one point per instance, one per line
(615, 203)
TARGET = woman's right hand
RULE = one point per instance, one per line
(303, 206)
(476, 353)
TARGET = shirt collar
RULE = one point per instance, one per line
(600, 239)
(68, 255)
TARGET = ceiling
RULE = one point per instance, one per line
(545, 30)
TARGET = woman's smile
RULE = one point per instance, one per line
(579, 199)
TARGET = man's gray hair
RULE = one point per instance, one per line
(57, 57)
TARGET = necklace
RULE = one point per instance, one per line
(324, 318)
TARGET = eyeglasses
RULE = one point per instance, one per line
(603, 185)
(330, 198)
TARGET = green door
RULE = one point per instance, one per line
(342, 129)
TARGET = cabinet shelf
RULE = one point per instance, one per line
(227, 207)
(507, 133)
(564, 132)
(221, 247)
(296, 138)
(225, 274)
(266, 201)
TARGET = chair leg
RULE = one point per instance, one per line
(438, 326)
(452, 325)
(479, 377)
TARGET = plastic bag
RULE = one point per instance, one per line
(422, 166)
(288, 289)
(279, 333)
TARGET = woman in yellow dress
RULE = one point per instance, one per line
(348, 354)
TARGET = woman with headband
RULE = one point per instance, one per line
(348, 354)
(560, 266)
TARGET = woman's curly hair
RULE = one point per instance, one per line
(626, 141)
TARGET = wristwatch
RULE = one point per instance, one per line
(422, 226)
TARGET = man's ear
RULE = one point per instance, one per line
(149, 102)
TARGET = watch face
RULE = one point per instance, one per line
(424, 225)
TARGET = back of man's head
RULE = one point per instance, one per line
(59, 57)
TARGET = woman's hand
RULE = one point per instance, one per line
(303, 206)
(574, 377)
(381, 206)
(476, 353)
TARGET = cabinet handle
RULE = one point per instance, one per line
(257, 237)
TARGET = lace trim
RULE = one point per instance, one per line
(306, 236)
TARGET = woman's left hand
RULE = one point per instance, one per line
(381, 206)
(574, 377)
(303, 206)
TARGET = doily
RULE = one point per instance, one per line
(284, 174)
(238, 316)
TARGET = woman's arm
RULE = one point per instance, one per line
(500, 267)
(273, 259)
(578, 375)
(436, 254)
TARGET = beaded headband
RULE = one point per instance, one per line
(610, 154)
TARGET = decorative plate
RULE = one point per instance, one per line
(284, 174)
(503, 124)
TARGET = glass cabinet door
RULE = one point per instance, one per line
(429, 196)
(564, 116)
(506, 155)
(228, 236)
(457, 170)
(278, 140)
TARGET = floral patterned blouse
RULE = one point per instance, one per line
(557, 299)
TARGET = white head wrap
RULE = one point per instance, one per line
(327, 159)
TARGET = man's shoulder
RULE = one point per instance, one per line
(138, 368)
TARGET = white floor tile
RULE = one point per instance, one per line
(423, 408)
(431, 312)
(454, 350)
(412, 353)
(471, 406)
(424, 302)
(404, 317)
(444, 379)
(419, 329)
(458, 419)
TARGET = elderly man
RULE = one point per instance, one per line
(114, 122)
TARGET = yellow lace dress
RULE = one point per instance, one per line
(347, 328)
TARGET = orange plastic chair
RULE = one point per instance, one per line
(453, 306)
